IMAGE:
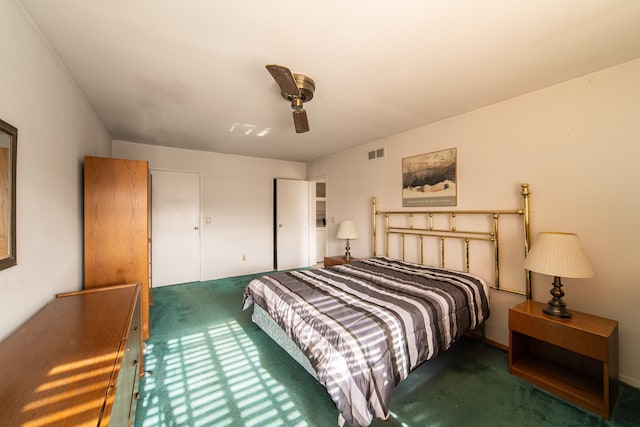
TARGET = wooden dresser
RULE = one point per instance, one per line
(75, 362)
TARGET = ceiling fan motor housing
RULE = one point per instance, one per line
(306, 86)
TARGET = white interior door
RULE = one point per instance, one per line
(292, 226)
(175, 227)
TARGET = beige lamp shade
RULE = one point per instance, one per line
(559, 254)
(347, 230)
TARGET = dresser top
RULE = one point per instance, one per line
(58, 366)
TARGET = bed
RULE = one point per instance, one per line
(361, 328)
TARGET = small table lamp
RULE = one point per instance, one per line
(558, 255)
(347, 230)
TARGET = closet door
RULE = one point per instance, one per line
(292, 227)
(176, 227)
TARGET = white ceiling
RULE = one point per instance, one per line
(192, 73)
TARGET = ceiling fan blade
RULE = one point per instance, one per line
(300, 121)
(284, 78)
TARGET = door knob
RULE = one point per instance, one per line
(196, 227)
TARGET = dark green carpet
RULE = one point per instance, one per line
(211, 366)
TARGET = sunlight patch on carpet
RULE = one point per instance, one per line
(214, 377)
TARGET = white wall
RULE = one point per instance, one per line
(56, 128)
(237, 194)
(576, 143)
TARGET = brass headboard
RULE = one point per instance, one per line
(430, 227)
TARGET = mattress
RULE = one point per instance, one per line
(271, 328)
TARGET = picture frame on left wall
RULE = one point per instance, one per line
(8, 156)
(430, 179)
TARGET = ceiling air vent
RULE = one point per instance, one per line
(376, 154)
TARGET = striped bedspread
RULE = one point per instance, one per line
(365, 326)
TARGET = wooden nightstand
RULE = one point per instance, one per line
(336, 260)
(575, 358)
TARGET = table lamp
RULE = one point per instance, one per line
(559, 255)
(348, 231)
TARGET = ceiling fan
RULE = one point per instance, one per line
(296, 88)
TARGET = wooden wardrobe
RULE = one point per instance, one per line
(117, 226)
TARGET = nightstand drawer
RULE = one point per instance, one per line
(558, 332)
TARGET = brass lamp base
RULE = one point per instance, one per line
(556, 311)
(557, 306)
(347, 255)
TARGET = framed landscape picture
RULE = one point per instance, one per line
(430, 179)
